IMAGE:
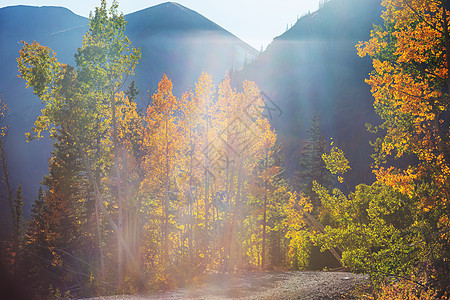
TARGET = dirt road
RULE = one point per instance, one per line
(264, 285)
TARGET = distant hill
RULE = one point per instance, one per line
(182, 43)
(174, 40)
(313, 68)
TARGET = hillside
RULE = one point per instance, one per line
(312, 69)
(182, 43)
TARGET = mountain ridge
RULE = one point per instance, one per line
(189, 17)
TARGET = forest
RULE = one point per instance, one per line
(156, 197)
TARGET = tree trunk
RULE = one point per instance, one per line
(263, 254)
(119, 197)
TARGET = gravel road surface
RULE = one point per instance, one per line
(264, 285)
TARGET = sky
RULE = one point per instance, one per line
(256, 22)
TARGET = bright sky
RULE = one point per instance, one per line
(256, 22)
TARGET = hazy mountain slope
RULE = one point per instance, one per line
(182, 43)
(313, 69)
(174, 40)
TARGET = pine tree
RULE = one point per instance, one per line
(132, 92)
(35, 225)
(311, 166)
(18, 213)
(5, 184)
(312, 169)
(17, 233)
(36, 252)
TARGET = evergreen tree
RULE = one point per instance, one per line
(36, 252)
(36, 223)
(18, 214)
(7, 190)
(132, 92)
(36, 226)
(17, 233)
(311, 166)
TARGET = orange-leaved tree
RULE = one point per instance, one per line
(411, 87)
(161, 141)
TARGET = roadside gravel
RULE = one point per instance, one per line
(264, 285)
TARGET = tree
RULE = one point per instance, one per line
(162, 138)
(129, 134)
(207, 115)
(105, 61)
(263, 186)
(36, 244)
(132, 92)
(14, 253)
(296, 232)
(76, 102)
(5, 182)
(17, 234)
(311, 166)
(68, 119)
(18, 214)
(375, 227)
(322, 3)
(411, 87)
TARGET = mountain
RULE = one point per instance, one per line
(313, 68)
(181, 43)
(174, 40)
